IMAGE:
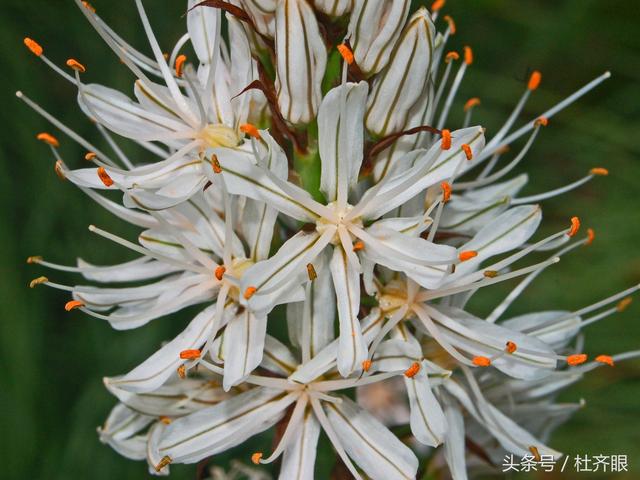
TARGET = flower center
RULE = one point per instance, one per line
(218, 135)
(323, 223)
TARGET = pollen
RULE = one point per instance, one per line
(250, 292)
(190, 354)
(215, 164)
(451, 56)
(72, 305)
(452, 24)
(164, 461)
(467, 255)
(34, 46)
(346, 53)
(468, 55)
(37, 281)
(623, 304)
(359, 245)
(48, 139)
(58, 169)
(490, 273)
(437, 5)
(413, 370)
(511, 347)
(603, 172)
(182, 371)
(366, 365)
(575, 226)
(76, 65)
(467, 151)
(446, 192)
(576, 359)
(591, 236)
(541, 122)
(534, 80)
(104, 177)
(34, 259)
(250, 130)
(472, 102)
(164, 419)
(90, 156)
(446, 139)
(606, 359)
(219, 272)
(481, 361)
(311, 272)
(180, 61)
(256, 457)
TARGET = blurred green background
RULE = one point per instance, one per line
(51, 395)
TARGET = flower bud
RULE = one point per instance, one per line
(334, 8)
(405, 79)
(374, 29)
(301, 58)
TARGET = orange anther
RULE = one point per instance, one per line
(219, 272)
(467, 255)
(366, 365)
(576, 359)
(605, 359)
(536, 454)
(490, 273)
(190, 354)
(37, 281)
(623, 304)
(164, 419)
(472, 102)
(591, 236)
(34, 259)
(59, 170)
(481, 361)
(446, 139)
(346, 53)
(311, 272)
(437, 5)
(215, 164)
(182, 371)
(90, 156)
(541, 122)
(249, 292)
(468, 55)
(575, 226)
(467, 151)
(446, 192)
(511, 347)
(72, 305)
(534, 80)
(164, 461)
(359, 245)
(452, 24)
(104, 176)
(256, 457)
(180, 61)
(48, 139)
(76, 65)
(250, 130)
(34, 46)
(89, 7)
(413, 370)
(451, 56)
(503, 149)
(603, 172)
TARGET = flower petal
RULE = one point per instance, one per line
(242, 346)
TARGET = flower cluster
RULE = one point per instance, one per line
(302, 158)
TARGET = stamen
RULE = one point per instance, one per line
(603, 172)
(249, 292)
(34, 259)
(437, 5)
(541, 122)
(34, 46)
(37, 281)
(90, 156)
(490, 273)
(250, 130)
(190, 354)
(89, 7)
(472, 102)
(451, 56)
(58, 168)
(72, 305)
(48, 139)
(606, 359)
(76, 65)
(576, 359)
(359, 245)
(446, 139)
(182, 371)
(311, 272)
(623, 304)
(591, 236)
(452, 24)
(481, 361)
(536, 454)
(467, 151)
(467, 255)
(534, 80)
(215, 164)
(575, 226)
(104, 176)
(346, 53)
(412, 371)
(511, 347)
(256, 457)
(219, 272)
(164, 419)
(180, 61)
(366, 365)
(164, 461)
(468, 55)
(446, 192)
